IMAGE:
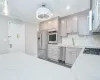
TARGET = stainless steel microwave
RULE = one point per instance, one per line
(52, 37)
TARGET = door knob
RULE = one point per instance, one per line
(10, 45)
(9, 36)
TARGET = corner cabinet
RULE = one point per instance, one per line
(71, 55)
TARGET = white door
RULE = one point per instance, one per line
(16, 37)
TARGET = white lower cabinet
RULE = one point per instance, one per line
(71, 55)
(53, 54)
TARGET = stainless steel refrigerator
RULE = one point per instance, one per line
(43, 44)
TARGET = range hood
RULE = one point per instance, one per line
(96, 17)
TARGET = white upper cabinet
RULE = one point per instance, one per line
(49, 24)
(43, 26)
(63, 27)
(72, 24)
(53, 24)
(83, 24)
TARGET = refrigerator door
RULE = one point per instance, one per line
(42, 44)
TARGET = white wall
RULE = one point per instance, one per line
(31, 39)
(31, 33)
(4, 32)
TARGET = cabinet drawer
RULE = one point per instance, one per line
(50, 52)
(56, 54)
(53, 54)
(55, 58)
(42, 54)
(52, 46)
(56, 50)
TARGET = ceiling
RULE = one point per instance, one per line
(26, 9)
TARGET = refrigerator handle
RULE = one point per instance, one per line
(41, 40)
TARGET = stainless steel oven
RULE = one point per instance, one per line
(52, 37)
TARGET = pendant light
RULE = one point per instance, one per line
(43, 13)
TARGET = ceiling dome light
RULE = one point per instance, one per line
(43, 13)
(68, 7)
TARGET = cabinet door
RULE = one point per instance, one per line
(63, 27)
(69, 25)
(72, 24)
(49, 24)
(55, 55)
(53, 24)
(68, 57)
(53, 52)
(43, 26)
(71, 56)
(50, 54)
(83, 26)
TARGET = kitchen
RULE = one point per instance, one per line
(61, 39)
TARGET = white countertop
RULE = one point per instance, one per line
(77, 46)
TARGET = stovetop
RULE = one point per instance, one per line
(93, 51)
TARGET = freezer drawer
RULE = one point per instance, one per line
(42, 54)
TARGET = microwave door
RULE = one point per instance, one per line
(53, 38)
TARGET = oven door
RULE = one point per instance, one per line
(52, 38)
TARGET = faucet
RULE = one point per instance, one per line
(73, 41)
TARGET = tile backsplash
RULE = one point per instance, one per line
(92, 40)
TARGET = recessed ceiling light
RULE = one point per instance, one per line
(49, 22)
(51, 14)
(68, 7)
